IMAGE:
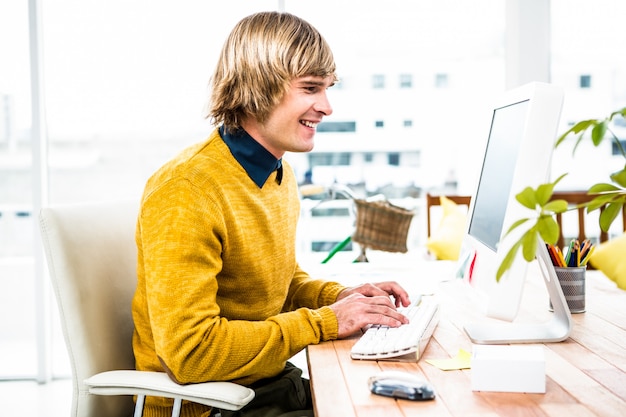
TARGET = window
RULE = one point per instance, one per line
(615, 149)
(6, 106)
(406, 81)
(378, 81)
(330, 212)
(585, 81)
(393, 158)
(379, 123)
(441, 80)
(329, 159)
(18, 338)
(337, 127)
(325, 246)
(407, 123)
(368, 157)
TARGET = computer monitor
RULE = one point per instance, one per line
(518, 154)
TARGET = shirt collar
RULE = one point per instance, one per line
(257, 161)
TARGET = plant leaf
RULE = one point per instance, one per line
(599, 201)
(507, 261)
(619, 177)
(621, 112)
(516, 224)
(548, 229)
(598, 132)
(578, 127)
(527, 198)
(556, 206)
(579, 140)
(609, 214)
(601, 188)
(556, 181)
(543, 193)
(529, 244)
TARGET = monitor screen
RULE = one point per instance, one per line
(491, 197)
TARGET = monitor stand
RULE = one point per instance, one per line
(556, 329)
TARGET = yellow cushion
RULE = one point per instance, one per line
(445, 242)
(610, 258)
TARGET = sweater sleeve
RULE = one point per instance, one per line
(181, 243)
(311, 293)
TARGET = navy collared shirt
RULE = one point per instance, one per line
(258, 162)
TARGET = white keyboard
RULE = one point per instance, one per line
(384, 342)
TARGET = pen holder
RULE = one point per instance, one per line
(572, 282)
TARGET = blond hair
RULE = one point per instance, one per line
(262, 54)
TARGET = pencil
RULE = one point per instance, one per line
(587, 256)
(568, 255)
(552, 253)
(560, 256)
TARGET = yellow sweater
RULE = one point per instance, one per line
(220, 295)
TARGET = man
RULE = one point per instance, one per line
(220, 295)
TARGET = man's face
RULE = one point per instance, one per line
(291, 125)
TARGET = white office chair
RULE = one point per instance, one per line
(91, 254)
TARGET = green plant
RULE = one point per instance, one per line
(542, 227)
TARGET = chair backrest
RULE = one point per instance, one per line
(435, 200)
(92, 257)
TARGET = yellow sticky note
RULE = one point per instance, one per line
(460, 361)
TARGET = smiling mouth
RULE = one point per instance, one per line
(306, 123)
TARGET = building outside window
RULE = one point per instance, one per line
(406, 81)
(378, 81)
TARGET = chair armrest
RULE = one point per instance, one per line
(222, 395)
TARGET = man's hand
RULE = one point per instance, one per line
(379, 289)
(365, 304)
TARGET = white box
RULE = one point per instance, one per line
(504, 368)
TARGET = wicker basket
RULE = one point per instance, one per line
(381, 226)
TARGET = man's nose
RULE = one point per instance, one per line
(323, 105)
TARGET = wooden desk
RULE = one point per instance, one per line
(585, 375)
